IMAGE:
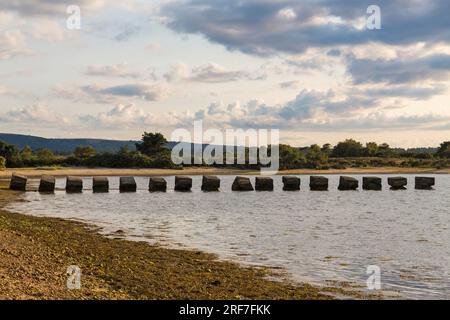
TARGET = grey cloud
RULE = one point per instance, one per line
(399, 71)
(301, 114)
(211, 73)
(112, 94)
(143, 91)
(254, 26)
(293, 84)
(307, 103)
(416, 93)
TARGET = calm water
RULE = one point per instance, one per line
(314, 236)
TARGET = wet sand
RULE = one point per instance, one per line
(35, 253)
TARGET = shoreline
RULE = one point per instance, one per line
(77, 171)
(36, 251)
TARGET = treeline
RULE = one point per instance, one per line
(152, 152)
(351, 153)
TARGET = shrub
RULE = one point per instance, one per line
(2, 163)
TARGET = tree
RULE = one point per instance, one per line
(326, 148)
(10, 153)
(27, 156)
(2, 163)
(152, 144)
(290, 157)
(371, 149)
(384, 150)
(348, 148)
(315, 156)
(45, 156)
(444, 150)
(84, 152)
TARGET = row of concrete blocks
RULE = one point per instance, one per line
(319, 183)
(212, 183)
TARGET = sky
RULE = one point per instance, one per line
(311, 69)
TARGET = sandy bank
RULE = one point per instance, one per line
(31, 172)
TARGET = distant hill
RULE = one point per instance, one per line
(64, 146)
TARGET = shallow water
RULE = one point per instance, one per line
(314, 236)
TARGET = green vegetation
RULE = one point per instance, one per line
(153, 152)
(444, 150)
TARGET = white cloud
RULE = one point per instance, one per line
(47, 30)
(287, 14)
(35, 114)
(7, 91)
(12, 43)
(128, 117)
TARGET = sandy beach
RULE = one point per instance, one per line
(37, 172)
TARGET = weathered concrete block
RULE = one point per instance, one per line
(183, 183)
(372, 183)
(127, 184)
(157, 184)
(210, 183)
(318, 183)
(398, 183)
(425, 183)
(242, 184)
(18, 183)
(74, 184)
(348, 183)
(291, 183)
(263, 184)
(47, 184)
(100, 184)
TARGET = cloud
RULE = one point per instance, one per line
(50, 7)
(210, 73)
(34, 115)
(290, 26)
(399, 71)
(406, 91)
(311, 112)
(293, 84)
(48, 30)
(112, 94)
(15, 33)
(7, 91)
(127, 117)
(152, 47)
(147, 92)
(120, 70)
(12, 43)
